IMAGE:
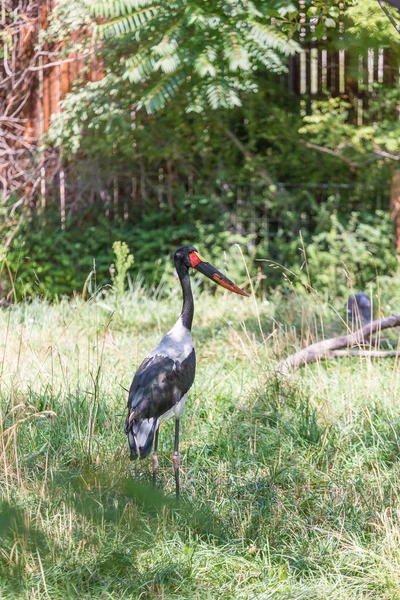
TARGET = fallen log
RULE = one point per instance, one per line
(330, 348)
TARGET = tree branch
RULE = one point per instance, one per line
(384, 154)
(249, 156)
(364, 353)
(353, 164)
(387, 13)
(326, 348)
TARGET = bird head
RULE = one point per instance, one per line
(189, 257)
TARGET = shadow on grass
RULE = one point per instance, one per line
(101, 510)
(277, 473)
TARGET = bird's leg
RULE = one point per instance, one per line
(175, 458)
(155, 458)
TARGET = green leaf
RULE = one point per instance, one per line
(330, 23)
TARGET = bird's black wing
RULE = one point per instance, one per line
(159, 383)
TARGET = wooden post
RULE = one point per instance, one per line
(395, 208)
(62, 197)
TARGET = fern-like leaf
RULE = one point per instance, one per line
(208, 41)
(267, 37)
(128, 23)
(236, 53)
(112, 9)
(204, 64)
(139, 67)
(161, 93)
(222, 95)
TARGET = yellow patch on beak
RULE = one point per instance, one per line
(200, 257)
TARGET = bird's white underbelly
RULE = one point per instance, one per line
(176, 410)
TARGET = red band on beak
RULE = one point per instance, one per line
(194, 259)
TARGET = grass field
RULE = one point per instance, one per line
(290, 485)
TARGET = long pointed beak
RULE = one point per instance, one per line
(215, 275)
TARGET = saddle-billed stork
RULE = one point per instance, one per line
(160, 386)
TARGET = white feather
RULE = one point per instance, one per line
(143, 433)
(176, 344)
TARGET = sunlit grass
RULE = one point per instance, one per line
(290, 485)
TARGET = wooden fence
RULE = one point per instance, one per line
(250, 207)
(318, 72)
(34, 78)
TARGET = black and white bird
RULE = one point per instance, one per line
(359, 310)
(160, 386)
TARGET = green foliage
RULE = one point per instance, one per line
(340, 253)
(119, 271)
(290, 486)
(101, 120)
(332, 124)
(98, 112)
(213, 51)
(147, 47)
(369, 26)
(45, 260)
(342, 259)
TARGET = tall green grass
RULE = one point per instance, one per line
(290, 485)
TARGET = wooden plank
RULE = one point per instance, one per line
(303, 73)
(380, 63)
(342, 72)
(324, 71)
(370, 69)
(314, 71)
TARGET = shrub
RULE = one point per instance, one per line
(119, 271)
(339, 255)
(346, 258)
(46, 260)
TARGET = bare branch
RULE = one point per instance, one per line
(364, 353)
(389, 16)
(20, 169)
(384, 154)
(324, 349)
(353, 164)
(5, 58)
(61, 62)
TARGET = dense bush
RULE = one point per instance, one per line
(336, 257)
(46, 260)
(340, 259)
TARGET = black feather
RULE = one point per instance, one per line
(158, 385)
